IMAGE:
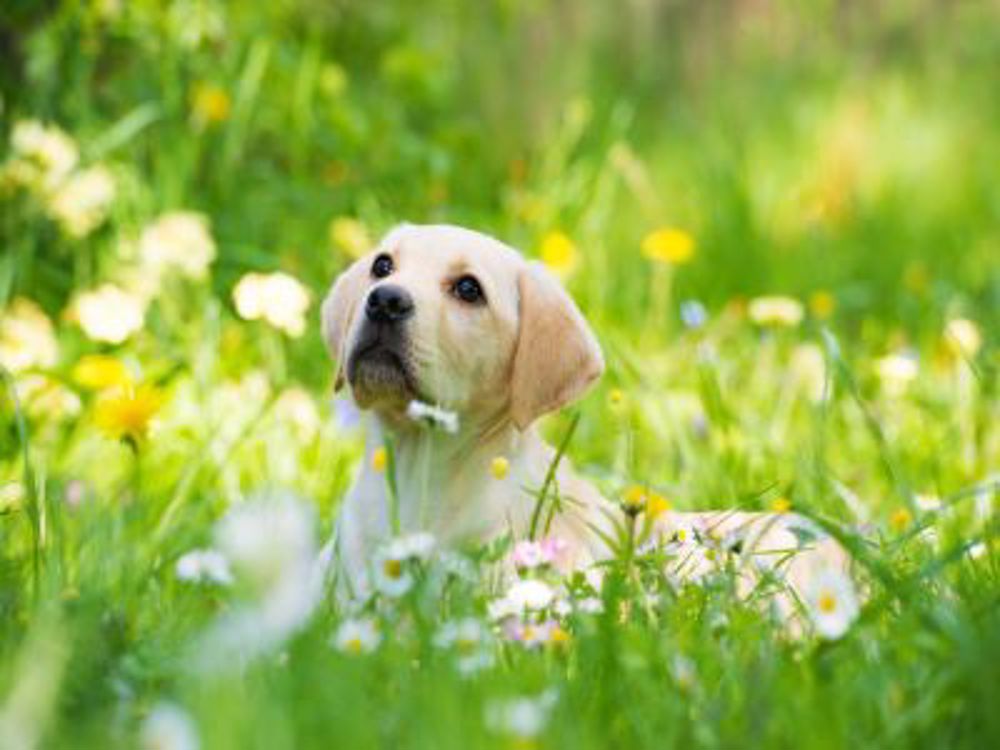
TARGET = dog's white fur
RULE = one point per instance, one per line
(526, 352)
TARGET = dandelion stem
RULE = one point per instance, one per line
(551, 475)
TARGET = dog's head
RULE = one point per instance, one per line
(453, 317)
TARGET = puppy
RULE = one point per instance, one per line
(451, 317)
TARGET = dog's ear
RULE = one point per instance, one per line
(339, 309)
(557, 356)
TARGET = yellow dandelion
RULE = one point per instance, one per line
(380, 459)
(900, 520)
(822, 304)
(559, 253)
(781, 505)
(350, 235)
(209, 103)
(128, 413)
(559, 636)
(616, 398)
(657, 505)
(500, 467)
(98, 372)
(635, 499)
(668, 245)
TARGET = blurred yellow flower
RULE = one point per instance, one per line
(108, 313)
(209, 103)
(99, 371)
(350, 235)
(634, 499)
(657, 505)
(781, 505)
(559, 253)
(276, 298)
(962, 338)
(81, 203)
(558, 636)
(668, 245)
(900, 520)
(616, 398)
(128, 413)
(775, 311)
(500, 467)
(380, 459)
(822, 304)
(27, 338)
(178, 240)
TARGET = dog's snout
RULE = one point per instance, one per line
(389, 303)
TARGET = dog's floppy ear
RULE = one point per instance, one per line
(339, 309)
(557, 356)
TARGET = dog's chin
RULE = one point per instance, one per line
(381, 378)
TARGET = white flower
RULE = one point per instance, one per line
(470, 639)
(832, 602)
(109, 313)
(358, 636)
(43, 156)
(416, 546)
(523, 717)
(529, 594)
(528, 555)
(201, 565)
(684, 671)
(169, 727)
(296, 407)
(179, 240)
(808, 367)
(962, 336)
(433, 416)
(275, 298)
(27, 338)
(81, 203)
(590, 605)
(776, 311)
(392, 576)
(896, 371)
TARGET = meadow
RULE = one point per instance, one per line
(782, 220)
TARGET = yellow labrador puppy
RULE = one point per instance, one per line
(453, 318)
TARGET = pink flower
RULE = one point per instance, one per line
(528, 555)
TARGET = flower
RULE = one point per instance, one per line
(962, 337)
(616, 398)
(432, 416)
(470, 639)
(822, 304)
(128, 413)
(808, 370)
(775, 311)
(179, 240)
(42, 156)
(43, 396)
(684, 672)
(168, 727)
(296, 407)
(668, 245)
(693, 314)
(350, 235)
(832, 603)
(80, 204)
(896, 371)
(528, 594)
(276, 298)
(656, 505)
(27, 338)
(109, 313)
(380, 459)
(209, 103)
(359, 636)
(203, 565)
(781, 505)
(527, 555)
(523, 717)
(634, 499)
(900, 520)
(416, 546)
(97, 372)
(559, 253)
(500, 467)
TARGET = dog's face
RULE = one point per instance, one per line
(452, 317)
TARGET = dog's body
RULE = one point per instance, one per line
(451, 317)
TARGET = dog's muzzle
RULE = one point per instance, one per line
(378, 367)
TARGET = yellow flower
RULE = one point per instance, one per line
(668, 245)
(127, 414)
(499, 467)
(776, 311)
(559, 253)
(209, 103)
(635, 499)
(558, 636)
(900, 520)
(350, 235)
(822, 304)
(616, 398)
(781, 505)
(962, 337)
(657, 505)
(380, 459)
(98, 371)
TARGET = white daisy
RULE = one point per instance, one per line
(832, 603)
(359, 636)
(168, 727)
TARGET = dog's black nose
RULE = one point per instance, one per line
(388, 303)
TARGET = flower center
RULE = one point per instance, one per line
(393, 568)
(827, 603)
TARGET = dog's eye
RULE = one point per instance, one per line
(468, 290)
(382, 267)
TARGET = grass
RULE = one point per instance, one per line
(838, 156)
